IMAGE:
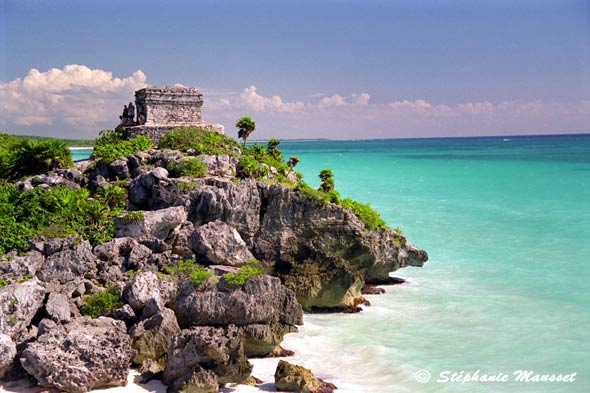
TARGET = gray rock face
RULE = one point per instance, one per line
(261, 300)
(81, 355)
(144, 287)
(219, 244)
(157, 223)
(58, 308)
(224, 165)
(293, 378)
(7, 353)
(18, 266)
(236, 204)
(19, 302)
(198, 350)
(119, 169)
(262, 340)
(68, 264)
(151, 338)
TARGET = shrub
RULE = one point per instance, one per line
(365, 213)
(4, 282)
(245, 126)
(111, 145)
(194, 167)
(58, 211)
(200, 140)
(133, 217)
(327, 178)
(21, 157)
(102, 303)
(189, 269)
(113, 196)
(244, 273)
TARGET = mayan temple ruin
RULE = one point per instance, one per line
(158, 110)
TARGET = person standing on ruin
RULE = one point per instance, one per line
(130, 112)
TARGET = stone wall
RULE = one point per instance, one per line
(169, 105)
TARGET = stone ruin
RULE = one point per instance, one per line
(161, 109)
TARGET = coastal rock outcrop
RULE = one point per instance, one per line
(293, 378)
(7, 353)
(81, 355)
(200, 358)
(19, 303)
(219, 244)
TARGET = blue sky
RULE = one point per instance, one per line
(337, 69)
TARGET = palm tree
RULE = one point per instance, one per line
(272, 146)
(246, 126)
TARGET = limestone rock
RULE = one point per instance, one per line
(220, 244)
(151, 338)
(263, 340)
(217, 350)
(144, 287)
(7, 353)
(119, 169)
(19, 302)
(16, 266)
(293, 378)
(58, 307)
(224, 165)
(125, 314)
(81, 355)
(68, 264)
(261, 300)
(158, 223)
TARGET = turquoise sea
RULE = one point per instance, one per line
(506, 222)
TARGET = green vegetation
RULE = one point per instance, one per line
(293, 161)
(256, 161)
(113, 196)
(245, 126)
(398, 231)
(68, 142)
(244, 273)
(272, 145)
(102, 303)
(200, 140)
(186, 186)
(133, 217)
(327, 178)
(13, 320)
(365, 213)
(111, 145)
(4, 282)
(20, 157)
(189, 269)
(59, 211)
(193, 167)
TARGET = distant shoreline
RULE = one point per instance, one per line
(81, 147)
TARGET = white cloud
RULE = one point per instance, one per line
(75, 96)
(361, 99)
(250, 99)
(335, 100)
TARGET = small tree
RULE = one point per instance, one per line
(327, 178)
(246, 126)
(293, 161)
(272, 146)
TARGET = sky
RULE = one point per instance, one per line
(347, 69)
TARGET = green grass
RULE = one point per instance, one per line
(133, 217)
(244, 273)
(4, 282)
(365, 213)
(200, 140)
(102, 303)
(193, 167)
(112, 145)
(189, 269)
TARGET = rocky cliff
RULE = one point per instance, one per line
(269, 253)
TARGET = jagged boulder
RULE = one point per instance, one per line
(196, 354)
(157, 223)
(263, 340)
(14, 266)
(261, 300)
(73, 261)
(119, 169)
(144, 287)
(293, 378)
(151, 338)
(236, 204)
(81, 355)
(19, 302)
(58, 308)
(7, 353)
(219, 244)
(224, 165)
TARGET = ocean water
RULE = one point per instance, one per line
(81, 153)
(506, 222)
